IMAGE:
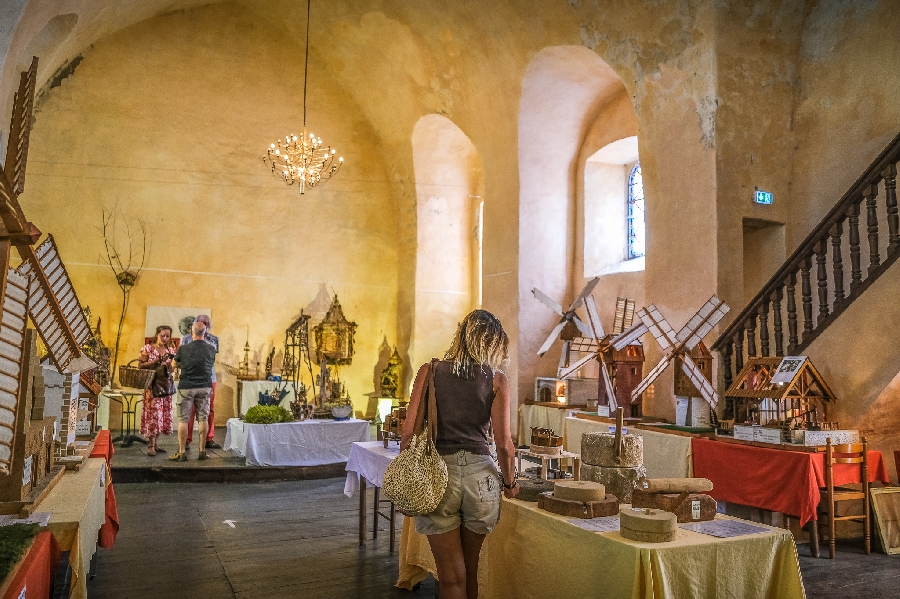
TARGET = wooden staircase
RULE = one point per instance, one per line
(759, 329)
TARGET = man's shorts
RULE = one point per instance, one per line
(198, 398)
(472, 498)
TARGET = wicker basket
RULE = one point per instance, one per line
(137, 378)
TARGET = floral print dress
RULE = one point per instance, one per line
(156, 417)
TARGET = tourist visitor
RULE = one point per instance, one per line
(156, 415)
(210, 435)
(472, 396)
(196, 361)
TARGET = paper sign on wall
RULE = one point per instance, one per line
(26, 472)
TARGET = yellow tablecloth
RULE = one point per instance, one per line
(78, 505)
(535, 554)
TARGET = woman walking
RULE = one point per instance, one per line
(156, 416)
(472, 395)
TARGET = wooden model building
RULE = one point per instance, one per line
(681, 348)
(49, 298)
(797, 398)
(334, 337)
(393, 425)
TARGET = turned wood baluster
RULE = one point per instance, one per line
(764, 329)
(726, 362)
(872, 226)
(855, 270)
(776, 322)
(806, 295)
(792, 312)
(890, 195)
(836, 263)
(739, 351)
(822, 278)
(751, 334)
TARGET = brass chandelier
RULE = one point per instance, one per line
(304, 160)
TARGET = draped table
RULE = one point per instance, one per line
(543, 416)
(33, 575)
(304, 443)
(778, 480)
(535, 554)
(103, 448)
(367, 463)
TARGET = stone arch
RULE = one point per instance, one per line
(572, 104)
(449, 195)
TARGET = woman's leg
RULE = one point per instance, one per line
(471, 548)
(447, 549)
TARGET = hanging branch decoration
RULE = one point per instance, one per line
(124, 265)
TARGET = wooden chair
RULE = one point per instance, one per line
(850, 453)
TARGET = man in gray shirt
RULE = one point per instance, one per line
(208, 337)
(196, 361)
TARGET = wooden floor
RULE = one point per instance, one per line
(299, 539)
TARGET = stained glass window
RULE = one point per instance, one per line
(637, 232)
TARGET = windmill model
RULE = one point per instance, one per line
(42, 286)
(598, 346)
(570, 327)
(677, 346)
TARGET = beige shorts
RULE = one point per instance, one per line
(472, 498)
(198, 398)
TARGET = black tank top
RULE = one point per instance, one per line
(464, 409)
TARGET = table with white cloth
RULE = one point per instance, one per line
(665, 455)
(305, 443)
(248, 393)
(367, 464)
(535, 554)
(543, 417)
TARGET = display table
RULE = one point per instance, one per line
(103, 448)
(34, 573)
(304, 443)
(368, 462)
(665, 455)
(248, 393)
(78, 507)
(774, 479)
(541, 416)
(535, 554)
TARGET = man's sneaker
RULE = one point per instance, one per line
(213, 445)
(178, 457)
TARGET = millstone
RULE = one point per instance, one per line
(579, 490)
(530, 490)
(599, 449)
(647, 525)
(618, 481)
(609, 506)
(696, 507)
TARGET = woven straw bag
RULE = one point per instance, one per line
(416, 479)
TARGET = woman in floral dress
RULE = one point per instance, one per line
(156, 417)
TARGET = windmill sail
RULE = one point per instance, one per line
(702, 322)
(658, 326)
(651, 376)
(20, 128)
(696, 376)
(629, 336)
(13, 316)
(624, 315)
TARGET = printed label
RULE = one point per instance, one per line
(695, 509)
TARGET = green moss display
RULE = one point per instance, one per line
(14, 540)
(267, 415)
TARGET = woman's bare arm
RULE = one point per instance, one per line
(413, 408)
(506, 451)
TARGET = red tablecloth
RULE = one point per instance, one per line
(37, 570)
(103, 448)
(773, 479)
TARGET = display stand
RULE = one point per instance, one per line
(546, 458)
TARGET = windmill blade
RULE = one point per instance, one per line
(545, 299)
(629, 336)
(54, 307)
(566, 372)
(588, 289)
(594, 317)
(658, 326)
(12, 342)
(553, 335)
(651, 376)
(700, 382)
(584, 328)
(619, 320)
(607, 382)
(702, 322)
(629, 313)
(20, 128)
(584, 344)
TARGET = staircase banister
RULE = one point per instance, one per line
(872, 175)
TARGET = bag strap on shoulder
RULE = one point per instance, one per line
(426, 415)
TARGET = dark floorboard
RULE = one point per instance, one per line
(299, 539)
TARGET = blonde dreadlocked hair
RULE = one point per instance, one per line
(479, 341)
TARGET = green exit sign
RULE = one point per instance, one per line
(763, 197)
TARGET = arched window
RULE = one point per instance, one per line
(637, 232)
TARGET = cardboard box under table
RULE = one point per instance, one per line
(303, 443)
(574, 562)
(778, 480)
(78, 507)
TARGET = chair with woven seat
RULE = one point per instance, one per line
(849, 453)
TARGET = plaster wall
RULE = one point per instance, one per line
(165, 122)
